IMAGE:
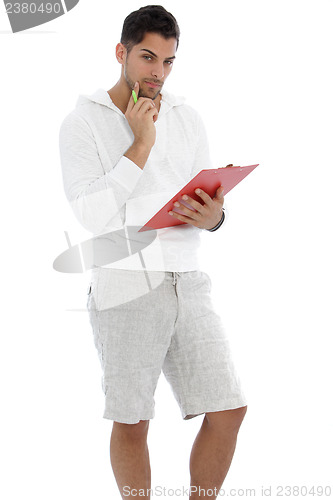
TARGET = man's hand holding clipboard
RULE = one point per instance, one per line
(200, 202)
(205, 215)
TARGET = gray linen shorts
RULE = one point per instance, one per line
(171, 326)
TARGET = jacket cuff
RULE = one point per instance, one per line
(127, 173)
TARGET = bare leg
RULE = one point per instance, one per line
(130, 458)
(213, 450)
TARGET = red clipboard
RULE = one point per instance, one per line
(207, 180)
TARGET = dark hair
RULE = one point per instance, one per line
(149, 19)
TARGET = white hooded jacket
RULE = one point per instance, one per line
(107, 191)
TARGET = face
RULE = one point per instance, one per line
(149, 63)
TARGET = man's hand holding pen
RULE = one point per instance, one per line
(141, 116)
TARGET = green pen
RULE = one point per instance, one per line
(134, 97)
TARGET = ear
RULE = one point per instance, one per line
(121, 53)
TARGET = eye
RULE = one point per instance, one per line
(147, 57)
(169, 63)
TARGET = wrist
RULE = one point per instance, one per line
(138, 153)
(141, 145)
(219, 224)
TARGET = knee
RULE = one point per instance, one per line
(226, 420)
(132, 431)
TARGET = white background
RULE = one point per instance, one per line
(259, 72)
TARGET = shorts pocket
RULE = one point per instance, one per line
(88, 297)
(208, 280)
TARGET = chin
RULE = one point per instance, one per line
(149, 96)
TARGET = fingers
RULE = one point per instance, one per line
(141, 108)
(199, 207)
(219, 193)
(195, 204)
(153, 113)
(204, 196)
(131, 103)
(219, 196)
(143, 104)
(140, 100)
(185, 219)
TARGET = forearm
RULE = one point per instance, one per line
(98, 204)
(96, 191)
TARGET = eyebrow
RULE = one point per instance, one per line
(152, 53)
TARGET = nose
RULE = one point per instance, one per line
(158, 71)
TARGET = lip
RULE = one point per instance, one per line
(152, 85)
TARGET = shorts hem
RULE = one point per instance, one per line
(127, 420)
(192, 411)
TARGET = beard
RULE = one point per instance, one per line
(130, 82)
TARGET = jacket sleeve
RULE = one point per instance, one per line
(95, 196)
(202, 157)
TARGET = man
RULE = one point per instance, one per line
(122, 160)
